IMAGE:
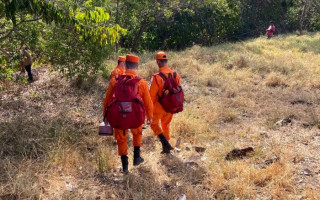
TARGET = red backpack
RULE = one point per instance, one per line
(172, 96)
(126, 109)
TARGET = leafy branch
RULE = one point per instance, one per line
(8, 33)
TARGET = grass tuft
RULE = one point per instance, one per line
(259, 93)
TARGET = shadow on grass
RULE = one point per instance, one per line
(183, 173)
(139, 183)
(144, 182)
(305, 43)
(311, 46)
(30, 137)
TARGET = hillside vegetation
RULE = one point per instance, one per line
(259, 93)
(76, 36)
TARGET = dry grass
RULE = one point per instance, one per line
(236, 94)
(273, 80)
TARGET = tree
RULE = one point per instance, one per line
(176, 24)
(305, 15)
(82, 26)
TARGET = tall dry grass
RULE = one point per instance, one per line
(236, 95)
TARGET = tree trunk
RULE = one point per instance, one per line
(302, 17)
(137, 38)
(117, 22)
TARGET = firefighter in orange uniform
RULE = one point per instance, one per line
(119, 70)
(159, 114)
(121, 135)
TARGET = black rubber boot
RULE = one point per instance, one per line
(30, 77)
(124, 160)
(137, 159)
(166, 146)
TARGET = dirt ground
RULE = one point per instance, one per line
(237, 96)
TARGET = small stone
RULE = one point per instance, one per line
(178, 142)
(177, 149)
(264, 134)
(192, 164)
(238, 153)
(229, 66)
(200, 149)
(113, 196)
(182, 197)
(295, 160)
(178, 183)
(307, 172)
(280, 123)
(116, 180)
(69, 186)
(307, 124)
(204, 158)
(272, 160)
(285, 121)
(188, 148)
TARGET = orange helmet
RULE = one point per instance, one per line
(132, 58)
(161, 56)
(122, 58)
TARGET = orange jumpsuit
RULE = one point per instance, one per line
(121, 135)
(114, 74)
(159, 114)
(116, 71)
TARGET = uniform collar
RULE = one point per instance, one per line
(165, 69)
(131, 73)
(120, 68)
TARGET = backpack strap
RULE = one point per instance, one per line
(117, 77)
(137, 77)
(174, 74)
(163, 76)
(129, 78)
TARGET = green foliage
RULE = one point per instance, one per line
(177, 24)
(181, 23)
(106, 72)
(305, 15)
(72, 55)
(103, 160)
(6, 73)
(73, 36)
(81, 50)
(77, 36)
